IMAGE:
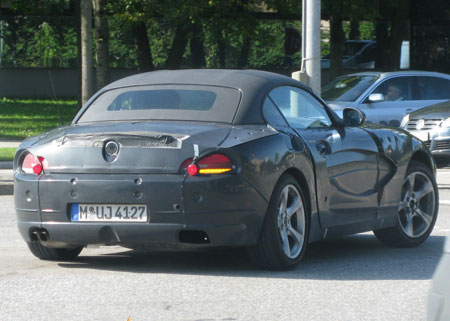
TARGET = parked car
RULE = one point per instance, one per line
(357, 54)
(431, 125)
(438, 308)
(205, 158)
(385, 97)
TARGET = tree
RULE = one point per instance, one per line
(338, 10)
(391, 29)
(135, 15)
(86, 50)
(101, 43)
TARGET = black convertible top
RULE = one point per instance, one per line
(253, 84)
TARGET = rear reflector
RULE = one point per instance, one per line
(192, 169)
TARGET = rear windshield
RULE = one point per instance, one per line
(174, 102)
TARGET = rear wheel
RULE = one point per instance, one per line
(284, 236)
(417, 211)
(47, 253)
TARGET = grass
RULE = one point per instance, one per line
(21, 118)
(7, 154)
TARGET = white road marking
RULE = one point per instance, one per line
(444, 202)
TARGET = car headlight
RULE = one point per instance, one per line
(404, 121)
(446, 123)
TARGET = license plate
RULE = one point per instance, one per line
(422, 135)
(109, 213)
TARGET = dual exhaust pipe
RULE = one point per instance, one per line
(40, 234)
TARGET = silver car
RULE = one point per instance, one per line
(385, 97)
(438, 308)
(431, 125)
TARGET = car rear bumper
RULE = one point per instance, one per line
(136, 235)
(204, 211)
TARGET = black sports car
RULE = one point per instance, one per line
(207, 158)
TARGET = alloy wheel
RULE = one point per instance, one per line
(291, 221)
(417, 204)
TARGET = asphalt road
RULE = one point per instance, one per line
(354, 278)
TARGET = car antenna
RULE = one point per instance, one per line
(54, 96)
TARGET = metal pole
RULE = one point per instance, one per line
(312, 57)
(302, 67)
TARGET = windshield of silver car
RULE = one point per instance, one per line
(347, 88)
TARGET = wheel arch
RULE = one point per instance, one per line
(422, 157)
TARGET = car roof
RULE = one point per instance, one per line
(384, 74)
(253, 84)
(242, 79)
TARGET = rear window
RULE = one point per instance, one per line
(174, 102)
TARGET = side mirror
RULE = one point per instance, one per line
(375, 98)
(353, 117)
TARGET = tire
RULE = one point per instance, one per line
(53, 254)
(284, 236)
(417, 211)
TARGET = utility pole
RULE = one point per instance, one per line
(310, 72)
(86, 50)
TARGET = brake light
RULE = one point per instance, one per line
(33, 165)
(212, 164)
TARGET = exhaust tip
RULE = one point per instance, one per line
(38, 234)
(194, 237)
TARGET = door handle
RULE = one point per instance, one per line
(322, 147)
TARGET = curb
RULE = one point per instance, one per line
(7, 189)
(6, 165)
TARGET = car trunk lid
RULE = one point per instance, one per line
(142, 147)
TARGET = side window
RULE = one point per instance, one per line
(395, 89)
(433, 88)
(300, 109)
(272, 114)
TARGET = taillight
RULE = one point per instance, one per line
(33, 165)
(212, 164)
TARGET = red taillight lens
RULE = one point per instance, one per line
(186, 163)
(33, 165)
(212, 164)
(43, 162)
(192, 169)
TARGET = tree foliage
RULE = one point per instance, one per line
(156, 34)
